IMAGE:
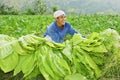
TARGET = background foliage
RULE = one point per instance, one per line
(38, 7)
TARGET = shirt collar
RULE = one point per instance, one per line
(57, 26)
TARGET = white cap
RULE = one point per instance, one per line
(58, 13)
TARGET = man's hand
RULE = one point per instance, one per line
(48, 38)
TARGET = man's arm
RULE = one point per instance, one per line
(53, 34)
(72, 31)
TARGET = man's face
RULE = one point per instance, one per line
(61, 20)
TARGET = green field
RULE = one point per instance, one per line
(21, 25)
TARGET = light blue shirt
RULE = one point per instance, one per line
(58, 34)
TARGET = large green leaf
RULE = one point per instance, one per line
(90, 62)
(8, 45)
(101, 48)
(18, 67)
(28, 64)
(9, 63)
(5, 49)
(50, 58)
(5, 45)
(75, 76)
(67, 50)
(33, 74)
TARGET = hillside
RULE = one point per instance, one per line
(86, 6)
(72, 6)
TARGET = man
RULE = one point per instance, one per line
(59, 28)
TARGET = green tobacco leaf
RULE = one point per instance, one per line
(42, 69)
(67, 50)
(47, 67)
(24, 62)
(50, 44)
(80, 63)
(18, 48)
(43, 55)
(90, 62)
(76, 39)
(59, 45)
(93, 40)
(75, 76)
(29, 61)
(57, 65)
(9, 63)
(64, 65)
(44, 73)
(101, 48)
(18, 67)
(49, 59)
(33, 74)
(94, 36)
(6, 49)
(6, 38)
(6, 45)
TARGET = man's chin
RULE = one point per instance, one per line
(63, 23)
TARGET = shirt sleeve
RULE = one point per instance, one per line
(71, 30)
(45, 34)
(54, 35)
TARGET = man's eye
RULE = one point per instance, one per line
(63, 17)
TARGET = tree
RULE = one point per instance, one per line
(39, 7)
(5, 10)
(29, 11)
(54, 8)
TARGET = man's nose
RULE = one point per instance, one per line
(64, 18)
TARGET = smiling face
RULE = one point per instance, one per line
(61, 20)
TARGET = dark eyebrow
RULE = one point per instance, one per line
(63, 16)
